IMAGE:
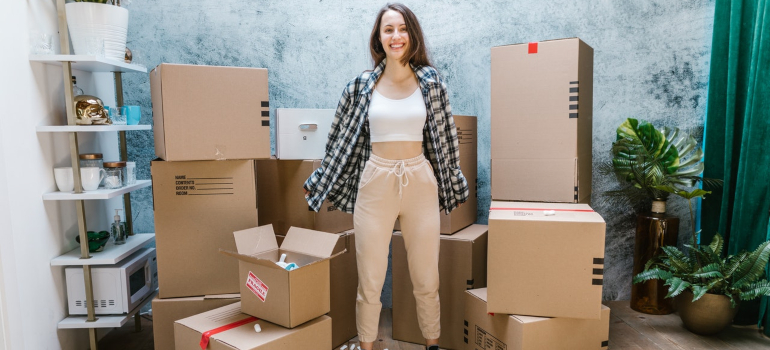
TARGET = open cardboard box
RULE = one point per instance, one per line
(227, 328)
(268, 291)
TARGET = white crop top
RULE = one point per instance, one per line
(397, 120)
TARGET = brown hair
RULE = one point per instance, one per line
(416, 53)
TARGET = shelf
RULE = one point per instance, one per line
(95, 194)
(112, 254)
(103, 321)
(91, 128)
(90, 63)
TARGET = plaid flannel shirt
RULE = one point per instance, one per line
(348, 147)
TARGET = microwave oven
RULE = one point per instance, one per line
(118, 288)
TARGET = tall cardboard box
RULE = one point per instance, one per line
(462, 217)
(545, 259)
(282, 202)
(462, 265)
(234, 330)
(197, 207)
(542, 105)
(268, 291)
(484, 331)
(209, 112)
(343, 287)
(166, 311)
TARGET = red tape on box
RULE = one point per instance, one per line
(544, 209)
(206, 335)
(532, 48)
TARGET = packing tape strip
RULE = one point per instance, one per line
(206, 335)
(543, 209)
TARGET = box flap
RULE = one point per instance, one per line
(255, 240)
(250, 259)
(310, 242)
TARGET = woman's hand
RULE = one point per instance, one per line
(307, 193)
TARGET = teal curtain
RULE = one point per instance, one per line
(737, 137)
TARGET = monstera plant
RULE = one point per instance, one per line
(645, 158)
(651, 163)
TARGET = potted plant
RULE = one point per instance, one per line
(643, 159)
(708, 287)
(98, 27)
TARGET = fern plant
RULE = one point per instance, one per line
(703, 270)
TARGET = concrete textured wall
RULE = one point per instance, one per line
(651, 62)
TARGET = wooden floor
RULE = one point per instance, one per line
(628, 330)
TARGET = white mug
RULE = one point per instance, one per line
(64, 180)
(91, 177)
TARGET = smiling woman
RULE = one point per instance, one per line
(393, 154)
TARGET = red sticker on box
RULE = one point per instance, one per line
(256, 286)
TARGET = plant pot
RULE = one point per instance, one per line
(709, 315)
(653, 230)
(96, 28)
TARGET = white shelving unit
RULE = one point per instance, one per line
(90, 63)
(112, 254)
(95, 194)
(91, 128)
(102, 321)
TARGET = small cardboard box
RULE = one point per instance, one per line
(462, 217)
(166, 311)
(208, 112)
(462, 265)
(282, 203)
(301, 133)
(343, 286)
(484, 331)
(231, 329)
(268, 291)
(197, 207)
(542, 98)
(536, 250)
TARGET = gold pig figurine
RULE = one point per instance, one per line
(90, 110)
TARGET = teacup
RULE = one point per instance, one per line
(64, 180)
(91, 177)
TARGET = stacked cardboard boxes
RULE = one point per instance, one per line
(211, 130)
(546, 250)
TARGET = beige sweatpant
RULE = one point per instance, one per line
(390, 189)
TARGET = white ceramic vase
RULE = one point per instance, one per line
(93, 26)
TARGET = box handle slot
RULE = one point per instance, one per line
(308, 127)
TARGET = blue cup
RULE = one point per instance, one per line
(132, 113)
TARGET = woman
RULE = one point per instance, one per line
(393, 153)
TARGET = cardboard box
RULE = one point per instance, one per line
(268, 291)
(343, 287)
(188, 332)
(462, 217)
(197, 207)
(541, 121)
(545, 265)
(485, 331)
(279, 183)
(462, 265)
(208, 112)
(301, 133)
(166, 311)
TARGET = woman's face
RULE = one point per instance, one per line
(393, 35)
